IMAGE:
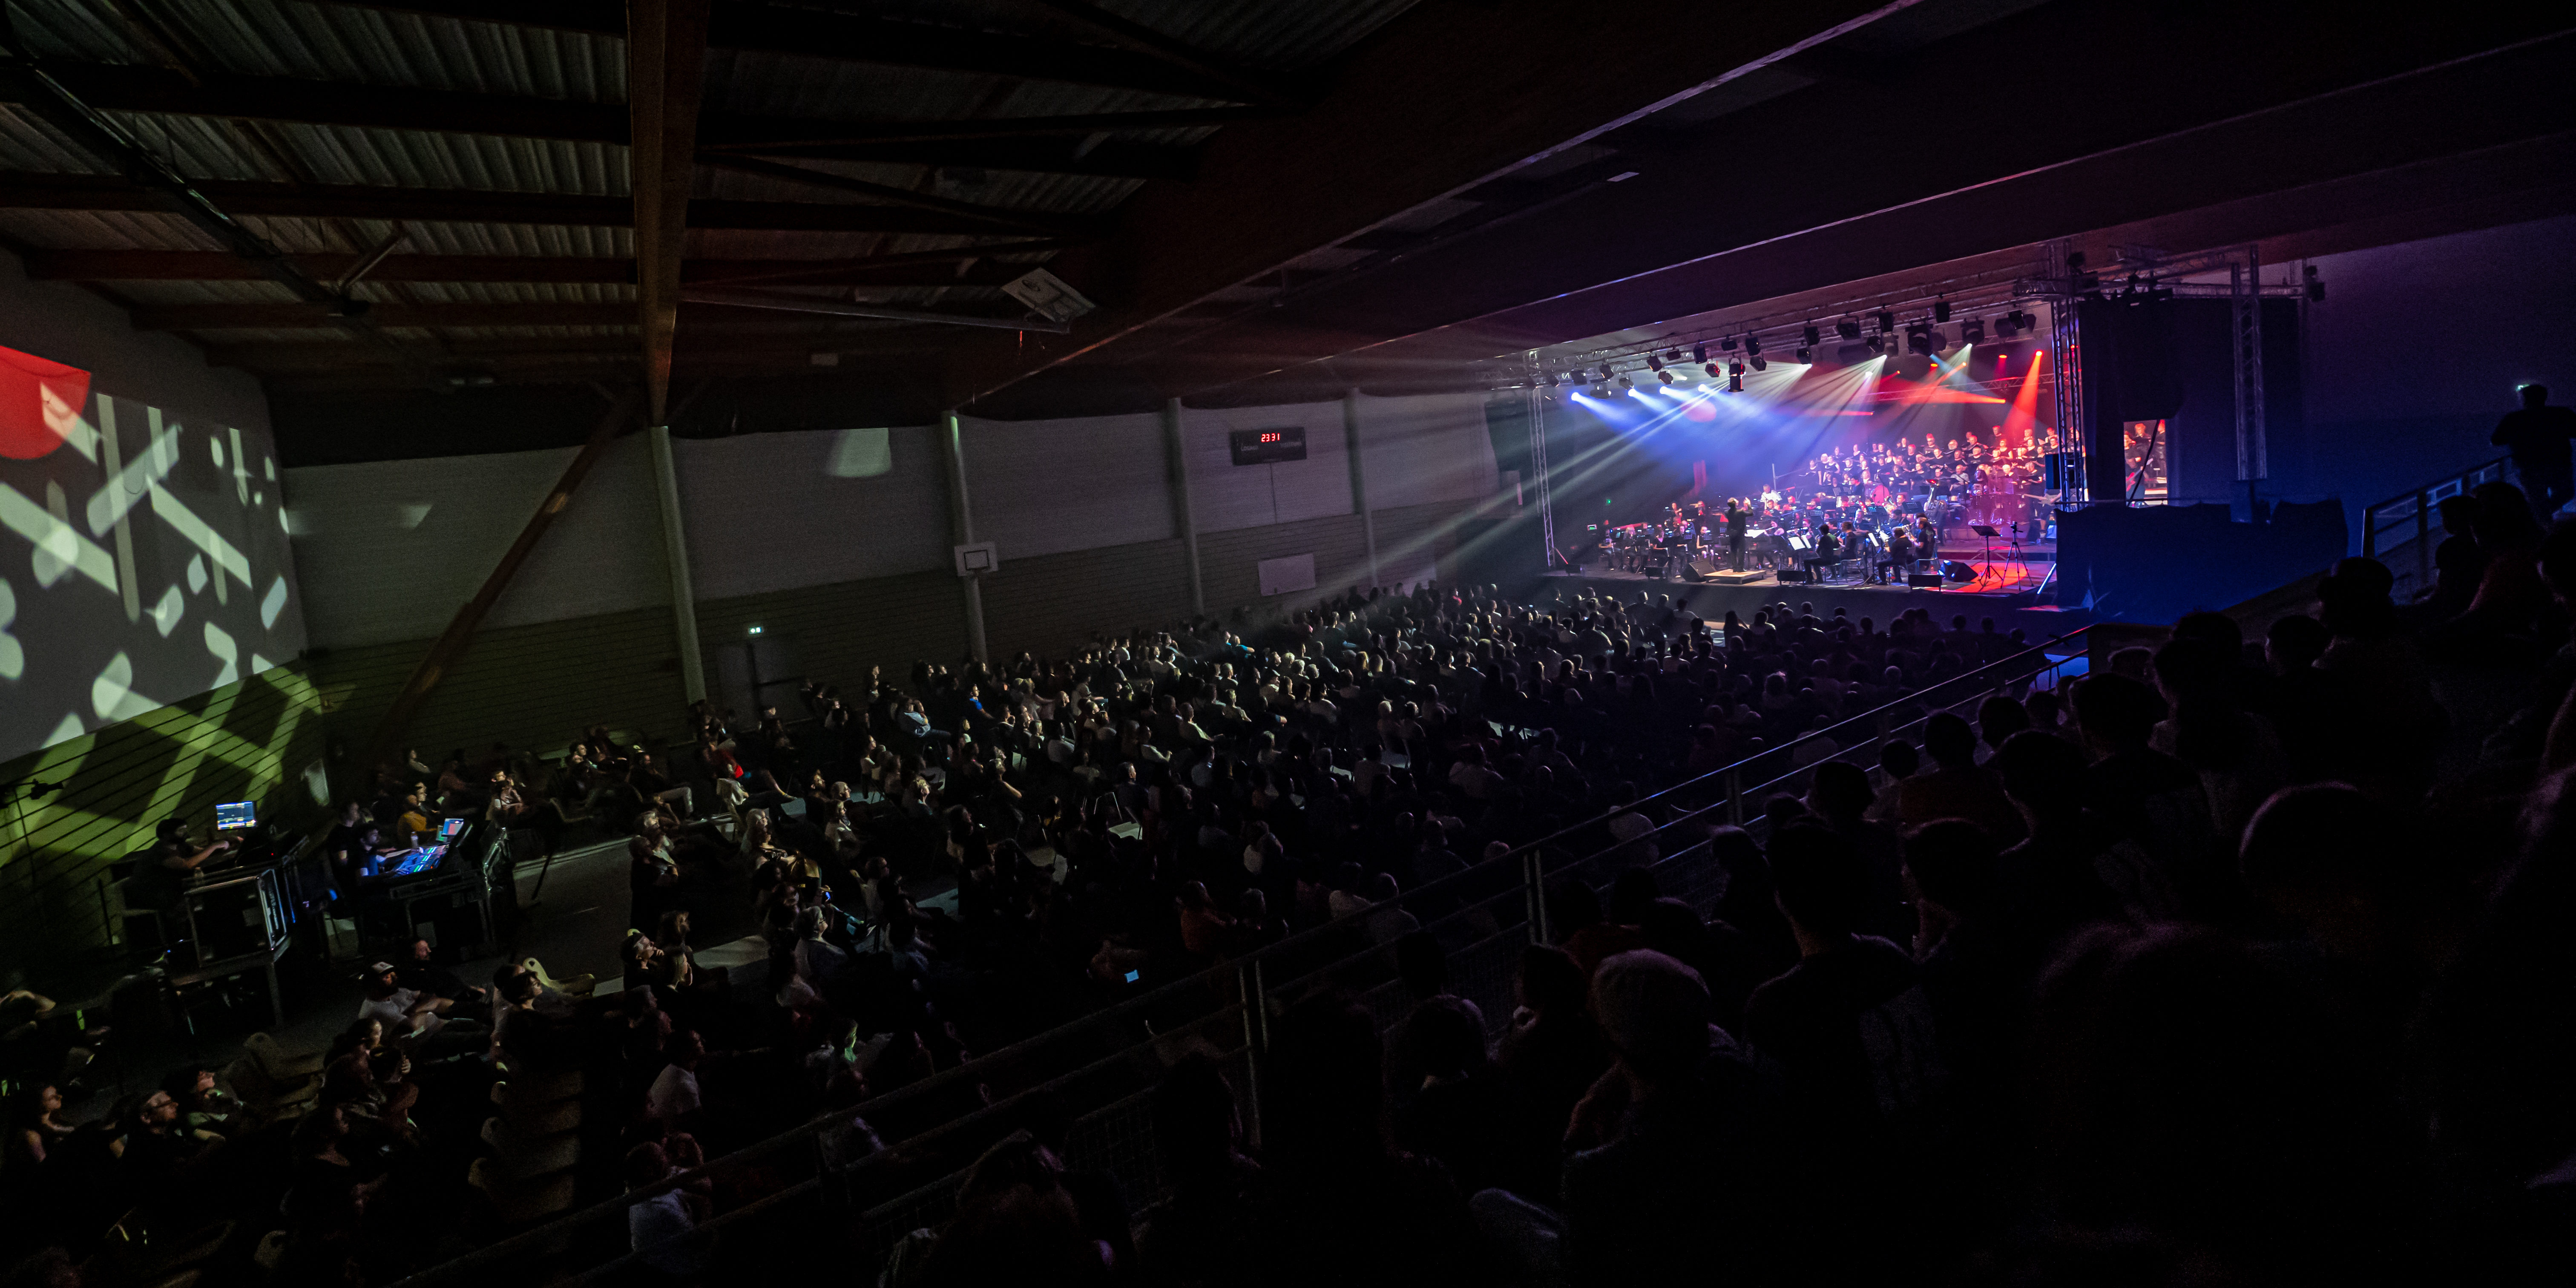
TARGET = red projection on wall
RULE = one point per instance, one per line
(40, 403)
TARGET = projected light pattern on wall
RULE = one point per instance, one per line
(146, 560)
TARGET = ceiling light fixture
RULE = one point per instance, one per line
(1811, 337)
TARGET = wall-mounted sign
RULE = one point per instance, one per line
(1268, 446)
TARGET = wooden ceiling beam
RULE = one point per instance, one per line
(925, 268)
(20, 190)
(880, 42)
(666, 76)
(609, 352)
(136, 88)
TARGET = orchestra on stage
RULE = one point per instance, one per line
(1875, 513)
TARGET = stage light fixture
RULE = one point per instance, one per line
(2315, 284)
(1699, 351)
(1735, 368)
(1876, 348)
(1735, 384)
(1806, 354)
(1940, 310)
(1886, 322)
(1607, 375)
(1549, 377)
(1811, 337)
(1665, 376)
(1847, 329)
(1918, 340)
(1654, 363)
(1712, 370)
(1761, 363)
(1672, 355)
(1626, 383)
(1972, 331)
(1727, 343)
(1753, 344)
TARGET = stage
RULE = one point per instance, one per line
(2008, 591)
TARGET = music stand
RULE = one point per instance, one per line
(1989, 532)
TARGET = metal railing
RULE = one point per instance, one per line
(1106, 1065)
(2411, 513)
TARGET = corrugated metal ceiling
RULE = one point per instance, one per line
(350, 44)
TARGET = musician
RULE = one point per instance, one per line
(1823, 556)
(1899, 560)
(1736, 520)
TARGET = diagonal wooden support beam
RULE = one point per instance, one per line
(666, 71)
(451, 644)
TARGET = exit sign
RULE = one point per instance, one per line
(1266, 446)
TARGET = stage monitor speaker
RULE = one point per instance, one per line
(1701, 569)
(1957, 571)
(1790, 576)
(1923, 579)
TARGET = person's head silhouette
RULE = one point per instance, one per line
(2535, 396)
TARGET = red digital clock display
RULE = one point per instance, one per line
(1267, 446)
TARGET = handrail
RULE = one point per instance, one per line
(907, 1200)
(541, 1236)
(2423, 499)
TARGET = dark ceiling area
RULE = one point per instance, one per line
(436, 226)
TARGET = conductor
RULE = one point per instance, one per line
(1735, 525)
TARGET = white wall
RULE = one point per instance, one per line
(68, 324)
(142, 559)
(388, 550)
(775, 511)
(1052, 486)
(1225, 496)
(1424, 449)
